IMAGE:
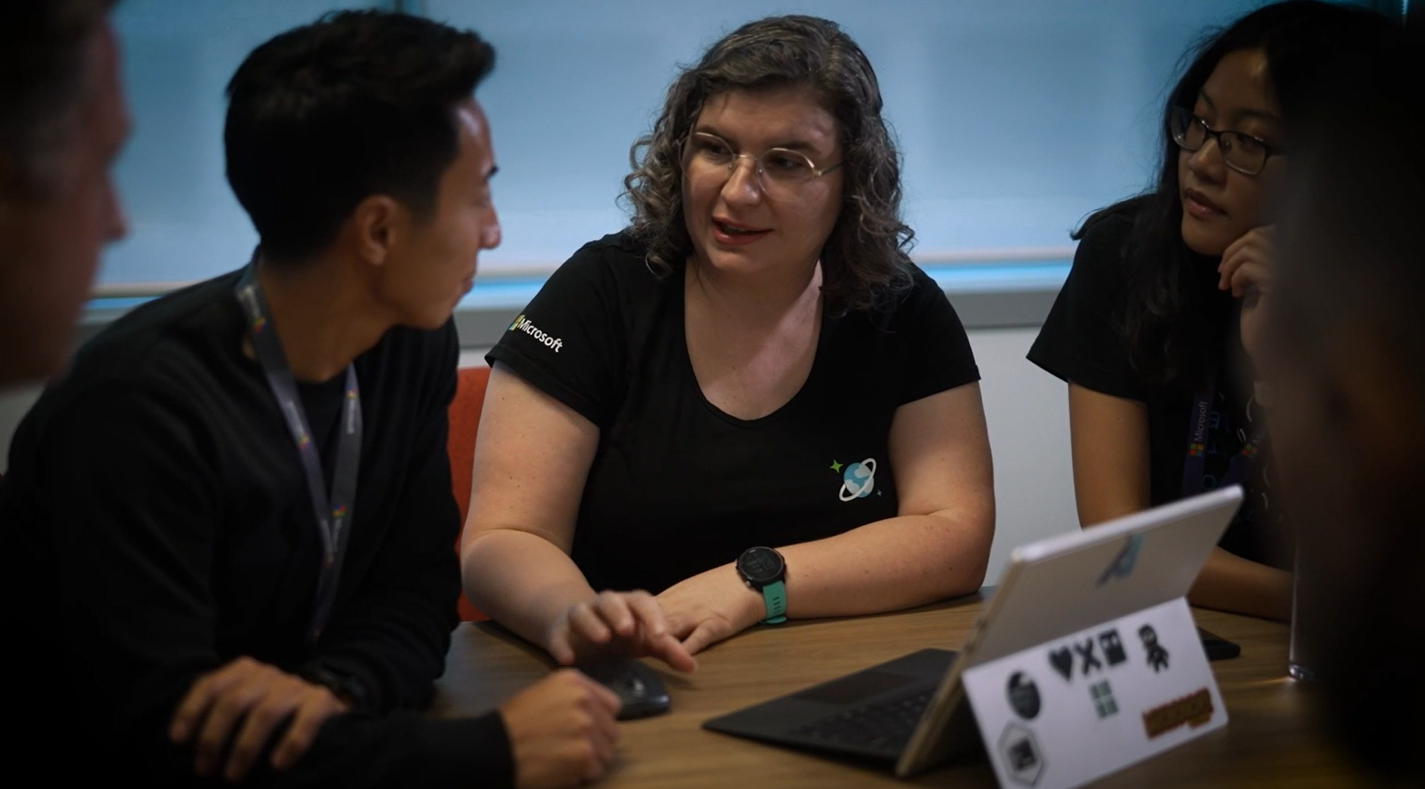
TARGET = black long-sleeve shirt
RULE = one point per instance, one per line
(155, 524)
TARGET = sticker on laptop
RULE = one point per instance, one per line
(1112, 647)
(1101, 693)
(1194, 709)
(1122, 565)
(1023, 695)
(1062, 659)
(1157, 655)
(1096, 654)
(1023, 759)
(1086, 656)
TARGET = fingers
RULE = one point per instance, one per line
(1233, 250)
(603, 713)
(250, 699)
(1249, 267)
(602, 706)
(645, 608)
(560, 647)
(1249, 276)
(604, 738)
(655, 636)
(708, 632)
(224, 715)
(194, 707)
(585, 624)
(270, 710)
(562, 731)
(319, 705)
(1256, 248)
(620, 622)
(602, 697)
(674, 652)
(613, 608)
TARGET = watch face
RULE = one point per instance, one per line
(760, 565)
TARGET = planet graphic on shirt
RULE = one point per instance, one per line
(858, 480)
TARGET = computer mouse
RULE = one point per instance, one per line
(639, 688)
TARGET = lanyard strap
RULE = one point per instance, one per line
(1195, 466)
(333, 512)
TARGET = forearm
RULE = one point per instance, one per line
(1230, 583)
(1110, 448)
(394, 641)
(887, 565)
(394, 633)
(522, 581)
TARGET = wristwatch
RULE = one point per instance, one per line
(349, 689)
(764, 570)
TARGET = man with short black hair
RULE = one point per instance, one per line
(227, 535)
(62, 123)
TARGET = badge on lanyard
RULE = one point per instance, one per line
(1199, 424)
(332, 510)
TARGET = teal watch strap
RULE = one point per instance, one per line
(775, 596)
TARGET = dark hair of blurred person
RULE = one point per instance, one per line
(62, 123)
(1345, 359)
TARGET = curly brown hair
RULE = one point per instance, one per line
(864, 261)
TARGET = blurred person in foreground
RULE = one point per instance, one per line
(62, 123)
(226, 537)
(1343, 354)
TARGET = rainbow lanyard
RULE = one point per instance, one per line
(1195, 476)
(333, 512)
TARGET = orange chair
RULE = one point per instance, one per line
(460, 445)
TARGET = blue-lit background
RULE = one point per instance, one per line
(1016, 118)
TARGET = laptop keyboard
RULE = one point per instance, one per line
(882, 725)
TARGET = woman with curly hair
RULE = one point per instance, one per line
(1154, 326)
(749, 403)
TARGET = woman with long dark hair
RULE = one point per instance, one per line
(1153, 328)
(750, 403)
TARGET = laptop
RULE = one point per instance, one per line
(912, 710)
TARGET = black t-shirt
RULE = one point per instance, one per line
(1083, 341)
(156, 524)
(677, 486)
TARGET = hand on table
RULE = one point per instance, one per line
(251, 699)
(1246, 269)
(562, 731)
(709, 607)
(617, 623)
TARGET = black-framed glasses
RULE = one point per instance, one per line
(780, 171)
(1242, 152)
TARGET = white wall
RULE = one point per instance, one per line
(1029, 435)
(1028, 414)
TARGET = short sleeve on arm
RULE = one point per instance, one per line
(569, 342)
(937, 354)
(1082, 339)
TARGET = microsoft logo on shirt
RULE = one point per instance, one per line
(523, 324)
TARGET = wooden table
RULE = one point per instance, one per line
(1270, 740)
